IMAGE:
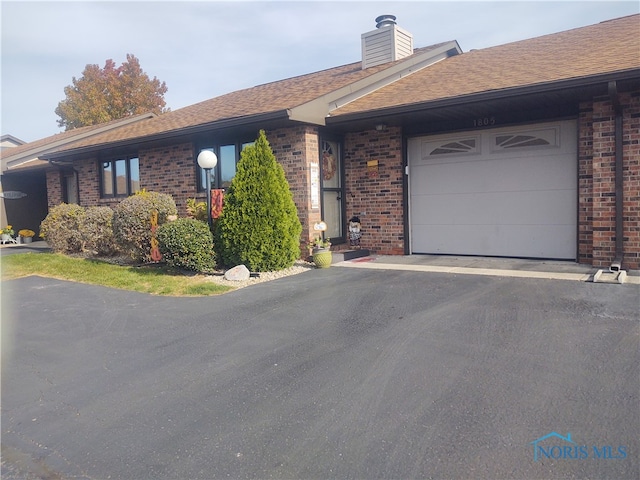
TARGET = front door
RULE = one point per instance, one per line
(332, 190)
(70, 186)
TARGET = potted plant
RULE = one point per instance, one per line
(26, 235)
(321, 252)
(6, 234)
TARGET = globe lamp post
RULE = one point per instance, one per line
(208, 160)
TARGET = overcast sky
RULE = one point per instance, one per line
(205, 48)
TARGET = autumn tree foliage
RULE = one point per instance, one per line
(110, 93)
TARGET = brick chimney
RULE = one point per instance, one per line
(386, 43)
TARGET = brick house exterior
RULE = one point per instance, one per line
(373, 112)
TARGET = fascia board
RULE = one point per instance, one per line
(142, 142)
(318, 109)
(36, 152)
(17, 163)
(567, 84)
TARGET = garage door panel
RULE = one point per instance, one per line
(494, 175)
(535, 208)
(492, 201)
(498, 240)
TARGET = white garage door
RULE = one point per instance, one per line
(499, 192)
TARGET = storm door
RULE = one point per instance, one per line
(332, 190)
(70, 187)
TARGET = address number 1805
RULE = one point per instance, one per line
(484, 121)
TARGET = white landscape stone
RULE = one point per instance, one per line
(239, 273)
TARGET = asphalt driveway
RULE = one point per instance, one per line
(337, 373)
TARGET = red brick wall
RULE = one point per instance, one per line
(89, 181)
(631, 179)
(295, 149)
(171, 170)
(168, 170)
(597, 196)
(54, 188)
(585, 183)
(376, 197)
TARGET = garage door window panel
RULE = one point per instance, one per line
(530, 140)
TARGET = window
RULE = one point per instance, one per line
(543, 138)
(225, 170)
(451, 147)
(120, 177)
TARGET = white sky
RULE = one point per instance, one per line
(203, 49)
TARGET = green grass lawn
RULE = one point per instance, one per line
(156, 280)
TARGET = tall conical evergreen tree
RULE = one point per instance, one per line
(259, 225)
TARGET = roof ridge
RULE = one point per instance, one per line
(338, 67)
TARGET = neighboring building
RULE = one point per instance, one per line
(6, 141)
(9, 141)
(529, 149)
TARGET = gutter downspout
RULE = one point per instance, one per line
(619, 246)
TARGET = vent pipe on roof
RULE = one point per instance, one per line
(385, 21)
(387, 43)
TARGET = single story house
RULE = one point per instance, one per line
(529, 149)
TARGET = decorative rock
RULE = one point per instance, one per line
(239, 273)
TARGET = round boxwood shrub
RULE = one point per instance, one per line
(187, 243)
(61, 228)
(132, 221)
(96, 230)
(259, 225)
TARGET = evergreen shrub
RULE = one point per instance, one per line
(187, 243)
(132, 221)
(259, 225)
(61, 228)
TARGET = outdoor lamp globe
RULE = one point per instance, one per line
(207, 159)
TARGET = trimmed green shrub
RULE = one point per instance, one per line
(187, 243)
(61, 228)
(259, 225)
(132, 221)
(197, 210)
(96, 231)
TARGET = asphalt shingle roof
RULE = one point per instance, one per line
(604, 48)
(262, 99)
(607, 47)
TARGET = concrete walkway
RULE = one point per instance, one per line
(499, 267)
(37, 246)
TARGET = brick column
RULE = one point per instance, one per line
(296, 149)
(585, 184)
(631, 178)
(603, 183)
(54, 188)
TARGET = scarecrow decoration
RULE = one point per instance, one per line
(354, 232)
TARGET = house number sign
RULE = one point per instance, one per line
(484, 121)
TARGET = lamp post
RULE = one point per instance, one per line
(208, 160)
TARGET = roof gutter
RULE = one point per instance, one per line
(619, 191)
(181, 132)
(486, 96)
